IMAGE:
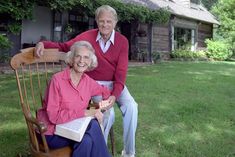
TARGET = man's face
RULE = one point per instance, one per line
(106, 24)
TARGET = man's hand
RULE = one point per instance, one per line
(103, 104)
(39, 48)
(107, 104)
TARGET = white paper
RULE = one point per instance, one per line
(74, 129)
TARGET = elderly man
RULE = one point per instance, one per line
(111, 49)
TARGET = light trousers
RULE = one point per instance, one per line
(129, 109)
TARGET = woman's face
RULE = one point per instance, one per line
(81, 59)
(106, 24)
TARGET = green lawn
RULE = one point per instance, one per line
(186, 109)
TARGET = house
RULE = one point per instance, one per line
(189, 25)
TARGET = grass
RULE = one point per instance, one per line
(186, 109)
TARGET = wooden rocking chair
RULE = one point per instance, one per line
(32, 76)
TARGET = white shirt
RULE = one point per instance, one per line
(105, 46)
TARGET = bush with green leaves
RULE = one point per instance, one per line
(4, 43)
(224, 11)
(5, 46)
(218, 50)
(187, 54)
(156, 57)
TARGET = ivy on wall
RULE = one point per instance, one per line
(23, 9)
(16, 11)
(126, 12)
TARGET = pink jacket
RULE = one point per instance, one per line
(64, 102)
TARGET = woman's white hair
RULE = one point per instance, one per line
(72, 53)
(106, 8)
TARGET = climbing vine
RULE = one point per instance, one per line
(19, 10)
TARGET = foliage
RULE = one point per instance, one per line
(4, 57)
(68, 28)
(23, 9)
(129, 12)
(187, 54)
(126, 12)
(18, 10)
(156, 57)
(208, 3)
(141, 55)
(218, 50)
(224, 10)
(14, 27)
(5, 45)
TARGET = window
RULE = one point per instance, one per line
(57, 27)
(91, 23)
(182, 38)
(79, 23)
(4, 20)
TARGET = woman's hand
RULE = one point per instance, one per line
(96, 113)
(39, 48)
(99, 116)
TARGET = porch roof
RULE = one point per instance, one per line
(196, 12)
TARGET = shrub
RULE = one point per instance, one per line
(156, 57)
(187, 54)
(5, 46)
(4, 43)
(218, 50)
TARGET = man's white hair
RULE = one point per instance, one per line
(106, 8)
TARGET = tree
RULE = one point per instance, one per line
(225, 12)
(208, 3)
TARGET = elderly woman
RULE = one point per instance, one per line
(67, 98)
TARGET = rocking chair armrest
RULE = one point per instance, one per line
(40, 126)
(93, 106)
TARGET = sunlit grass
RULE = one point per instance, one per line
(186, 109)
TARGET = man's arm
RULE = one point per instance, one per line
(121, 69)
(64, 46)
